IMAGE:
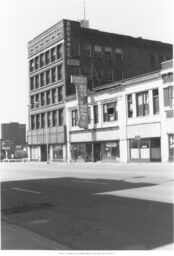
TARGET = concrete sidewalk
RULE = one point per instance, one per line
(17, 238)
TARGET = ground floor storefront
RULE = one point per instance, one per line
(95, 151)
(52, 152)
(145, 149)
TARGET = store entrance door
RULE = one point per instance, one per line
(43, 153)
(97, 152)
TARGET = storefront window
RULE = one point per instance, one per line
(78, 152)
(110, 151)
(58, 152)
(171, 147)
(144, 149)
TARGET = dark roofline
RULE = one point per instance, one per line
(99, 31)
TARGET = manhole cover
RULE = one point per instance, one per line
(24, 208)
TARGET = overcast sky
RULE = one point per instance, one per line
(22, 20)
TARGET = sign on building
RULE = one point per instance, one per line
(82, 98)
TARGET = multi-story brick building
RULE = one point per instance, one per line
(72, 48)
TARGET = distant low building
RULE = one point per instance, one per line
(13, 140)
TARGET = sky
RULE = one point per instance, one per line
(22, 20)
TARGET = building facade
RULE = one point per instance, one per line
(13, 140)
(132, 121)
(72, 48)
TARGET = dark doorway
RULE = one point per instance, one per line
(43, 153)
(97, 152)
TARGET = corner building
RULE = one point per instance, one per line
(72, 48)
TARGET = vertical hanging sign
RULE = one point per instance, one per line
(82, 99)
(68, 39)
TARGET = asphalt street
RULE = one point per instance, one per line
(82, 213)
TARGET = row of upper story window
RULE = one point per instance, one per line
(155, 59)
(47, 98)
(109, 53)
(45, 78)
(97, 51)
(97, 73)
(110, 112)
(49, 119)
(142, 102)
(45, 58)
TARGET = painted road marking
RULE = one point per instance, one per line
(27, 190)
(91, 182)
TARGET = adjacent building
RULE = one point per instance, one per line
(128, 121)
(72, 48)
(13, 140)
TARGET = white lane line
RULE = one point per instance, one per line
(91, 182)
(27, 190)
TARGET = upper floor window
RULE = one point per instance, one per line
(53, 54)
(42, 60)
(37, 81)
(54, 96)
(110, 112)
(130, 105)
(37, 101)
(47, 57)
(37, 62)
(32, 65)
(32, 83)
(76, 49)
(168, 96)
(108, 75)
(42, 79)
(55, 118)
(32, 122)
(59, 72)
(42, 120)
(152, 59)
(47, 77)
(74, 117)
(32, 102)
(89, 115)
(97, 51)
(86, 50)
(48, 97)
(49, 119)
(96, 114)
(155, 101)
(59, 51)
(142, 100)
(108, 53)
(53, 75)
(60, 93)
(61, 118)
(161, 58)
(42, 99)
(37, 121)
(118, 54)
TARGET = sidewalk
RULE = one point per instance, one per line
(16, 238)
